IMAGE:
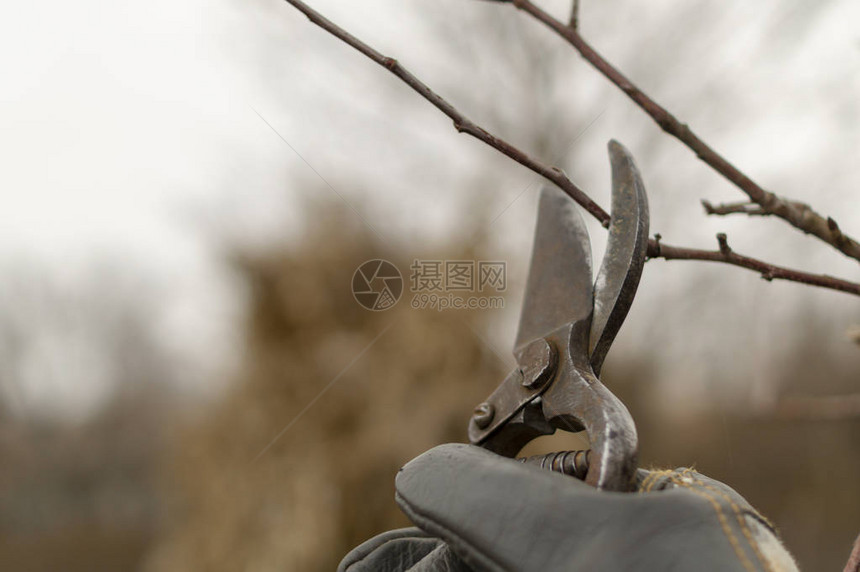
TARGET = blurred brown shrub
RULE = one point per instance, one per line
(326, 483)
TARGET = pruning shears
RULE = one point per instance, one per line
(566, 328)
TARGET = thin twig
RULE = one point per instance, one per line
(726, 255)
(557, 176)
(745, 207)
(574, 15)
(798, 214)
(853, 564)
(461, 123)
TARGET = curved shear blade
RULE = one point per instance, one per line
(558, 290)
(626, 248)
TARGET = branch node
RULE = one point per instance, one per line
(574, 16)
(769, 201)
(723, 241)
(806, 219)
(389, 63)
(835, 231)
(709, 207)
(658, 249)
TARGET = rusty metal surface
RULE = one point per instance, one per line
(558, 289)
(624, 260)
(566, 328)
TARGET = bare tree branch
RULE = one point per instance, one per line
(461, 123)
(798, 214)
(655, 248)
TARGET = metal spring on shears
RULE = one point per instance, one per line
(572, 463)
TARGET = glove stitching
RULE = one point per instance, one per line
(738, 515)
(651, 481)
(739, 551)
(643, 487)
(653, 477)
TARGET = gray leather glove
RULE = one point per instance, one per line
(478, 511)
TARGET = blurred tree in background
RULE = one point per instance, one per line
(274, 475)
(292, 464)
(279, 476)
(326, 483)
(77, 483)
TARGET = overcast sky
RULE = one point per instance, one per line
(131, 132)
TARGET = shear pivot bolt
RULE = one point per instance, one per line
(538, 361)
(483, 415)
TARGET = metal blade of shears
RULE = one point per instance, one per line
(624, 260)
(558, 289)
(566, 327)
(558, 295)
